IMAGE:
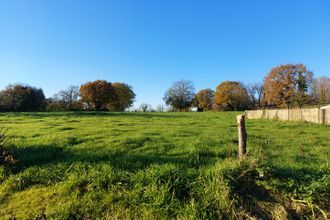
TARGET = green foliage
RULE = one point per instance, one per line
(93, 165)
(124, 97)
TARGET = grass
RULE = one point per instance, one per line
(162, 165)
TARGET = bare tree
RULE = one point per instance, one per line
(255, 91)
(68, 97)
(180, 95)
(145, 107)
(321, 90)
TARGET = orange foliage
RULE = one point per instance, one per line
(97, 94)
(287, 84)
(204, 99)
(232, 96)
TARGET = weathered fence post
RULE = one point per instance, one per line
(242, 136)
(322, 116)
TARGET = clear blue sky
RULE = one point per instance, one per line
(151, 43)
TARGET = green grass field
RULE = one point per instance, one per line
(162, 165)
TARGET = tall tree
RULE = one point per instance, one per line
(255, 91)
(97, 95)
(321, 90)
(124, 97)
(204, 99)
(286, 84)
(20, 97)
(69, 98)
(231, 95)
(180, 95)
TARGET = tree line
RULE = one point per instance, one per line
(284, 86)
(99, 95)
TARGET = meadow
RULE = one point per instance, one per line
(87, 165)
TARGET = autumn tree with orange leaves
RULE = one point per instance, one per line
(287, 84)
(231, 95)
(96, 95)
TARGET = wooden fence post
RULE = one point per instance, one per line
(242, 136)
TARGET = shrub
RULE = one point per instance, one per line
(6, 156)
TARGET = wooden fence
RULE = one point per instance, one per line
(316, 115)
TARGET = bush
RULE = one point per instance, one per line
(6, 156)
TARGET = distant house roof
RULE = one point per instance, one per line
(325, 107)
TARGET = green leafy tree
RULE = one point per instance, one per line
(124, 97)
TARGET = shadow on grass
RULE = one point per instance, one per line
(245, 187)
(45, 164)
(94, 113)
(124, 159)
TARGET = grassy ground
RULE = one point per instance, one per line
(162, 165)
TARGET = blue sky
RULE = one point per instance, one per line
(151, 43)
